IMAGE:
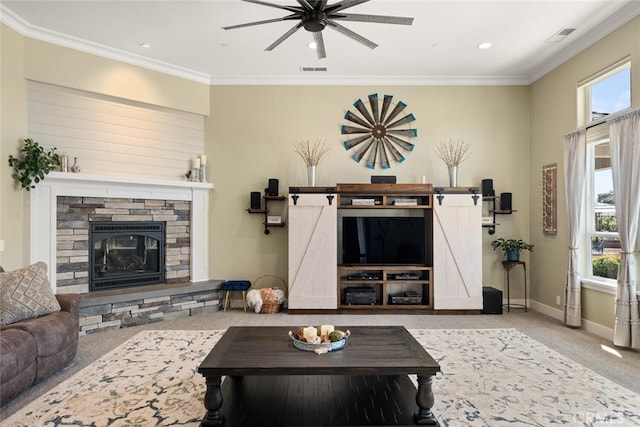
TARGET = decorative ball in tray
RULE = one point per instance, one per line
(320, 340)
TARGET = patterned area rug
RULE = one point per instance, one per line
(490, 377)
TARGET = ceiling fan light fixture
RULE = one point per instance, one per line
(484, 45)
(312, 45)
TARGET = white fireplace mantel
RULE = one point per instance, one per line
(44, 204)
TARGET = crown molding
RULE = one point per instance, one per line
(32, 31)
(617, 20)
(295, 80)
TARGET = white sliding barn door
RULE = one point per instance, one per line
(457, 253)
(312, 252)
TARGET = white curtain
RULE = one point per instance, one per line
(575, 174)
(624, 134)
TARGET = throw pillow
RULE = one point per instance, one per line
(26, 293)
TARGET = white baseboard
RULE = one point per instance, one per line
(587, 325)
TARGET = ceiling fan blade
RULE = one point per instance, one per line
(305, 4)
(264, 3)
(380, 19)
(284, 37)
(268, 21)
(347, 32)
(317, 37)
(344, 4)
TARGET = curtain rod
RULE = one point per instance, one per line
(604, 120)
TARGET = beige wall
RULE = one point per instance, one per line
(13, 127)
(251, 130)
(250, 137)
(554, 114)
(27, 59)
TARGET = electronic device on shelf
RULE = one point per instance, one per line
(364, 276)
(406, 297)
(361, 295)
(406, 276)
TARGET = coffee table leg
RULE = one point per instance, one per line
(425, 401)
(213, 403)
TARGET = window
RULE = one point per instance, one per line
(600, 96)
(607, 93)
(601, 226)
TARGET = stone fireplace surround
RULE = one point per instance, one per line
(119, 308)
(44, 220)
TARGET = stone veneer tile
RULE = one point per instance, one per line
(75, 213)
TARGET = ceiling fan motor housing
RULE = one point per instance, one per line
(314, 21)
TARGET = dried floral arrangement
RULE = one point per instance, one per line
(312, 153)
(453, 152)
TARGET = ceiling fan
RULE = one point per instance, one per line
(316, 15)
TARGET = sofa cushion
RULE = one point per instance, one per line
(18, 362)
(26, 293)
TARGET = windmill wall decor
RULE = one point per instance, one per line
(379, 133)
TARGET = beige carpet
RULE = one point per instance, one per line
(490, 377)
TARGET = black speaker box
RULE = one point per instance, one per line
(272, 189)
(491, 300)
(487, 187)
(505, 201)
(255, 200)
(383, 179)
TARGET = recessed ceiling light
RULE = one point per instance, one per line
(312, 45)
(144, 44)
(484, 45)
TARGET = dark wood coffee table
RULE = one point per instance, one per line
(269, 382)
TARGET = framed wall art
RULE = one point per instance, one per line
(549, 198)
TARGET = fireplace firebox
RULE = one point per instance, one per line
(126, 254)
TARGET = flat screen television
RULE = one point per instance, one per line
(369, 240)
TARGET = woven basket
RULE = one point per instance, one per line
(270, 305)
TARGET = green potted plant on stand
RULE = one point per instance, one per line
(34, 164)
(511, 247)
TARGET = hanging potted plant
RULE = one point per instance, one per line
(511, 247)
(34, 164)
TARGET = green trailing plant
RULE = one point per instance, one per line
(511, 245)
(34, 163)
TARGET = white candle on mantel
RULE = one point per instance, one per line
(326, 329)
(203, 159)
(310, 332)
(196, 163)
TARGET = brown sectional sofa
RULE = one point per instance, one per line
(33, 349)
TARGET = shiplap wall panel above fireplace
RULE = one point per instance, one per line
(114, 136)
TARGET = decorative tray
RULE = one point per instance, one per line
(320, 348)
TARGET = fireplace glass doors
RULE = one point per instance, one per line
(125, 254)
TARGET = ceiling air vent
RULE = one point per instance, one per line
(560, 35)
(313, 69)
